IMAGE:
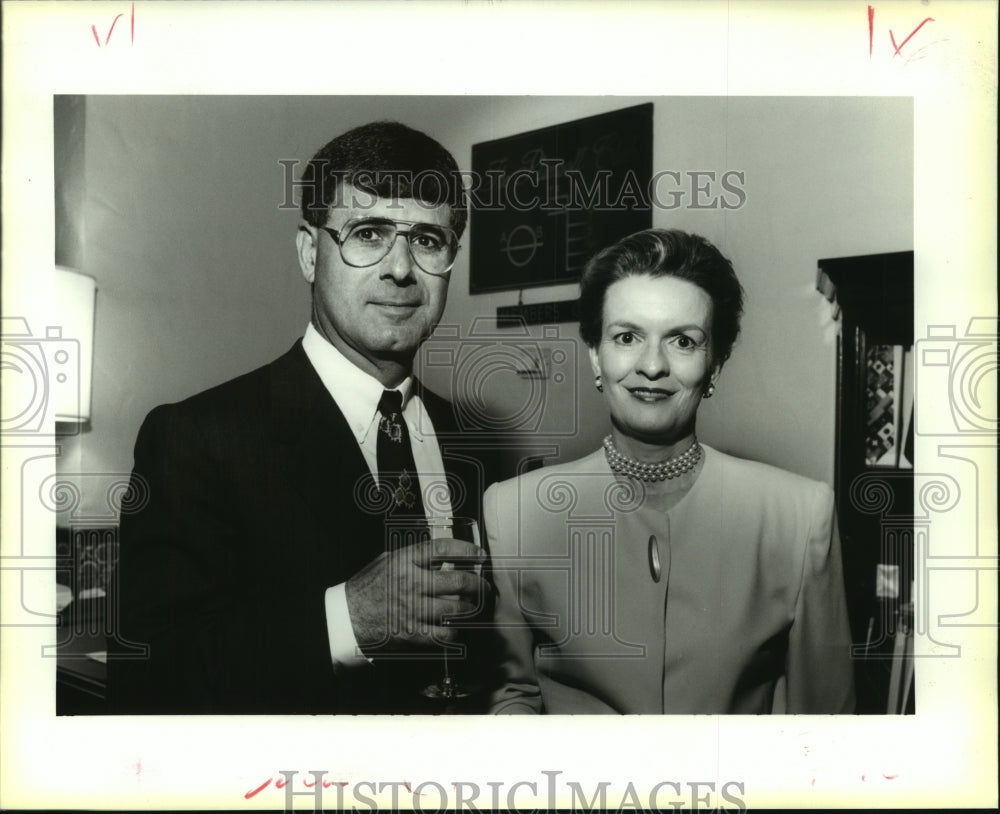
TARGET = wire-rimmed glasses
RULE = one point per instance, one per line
(364, 242)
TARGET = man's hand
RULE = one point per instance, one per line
(397, 602)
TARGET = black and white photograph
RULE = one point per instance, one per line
(386, 446)
(249, 517)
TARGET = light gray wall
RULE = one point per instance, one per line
(194, 256)
(824, 177)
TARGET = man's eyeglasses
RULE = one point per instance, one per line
(366, 241)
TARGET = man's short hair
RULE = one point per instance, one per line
(385, 159)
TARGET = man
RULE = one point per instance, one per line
(259, 560)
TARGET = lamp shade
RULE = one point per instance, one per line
(71, 361)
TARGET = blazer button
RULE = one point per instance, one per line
(654, 559)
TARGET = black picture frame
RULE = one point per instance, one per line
(544, 201)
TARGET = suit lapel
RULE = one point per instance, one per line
(325, 463)
(327, 469)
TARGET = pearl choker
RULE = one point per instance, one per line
(664, 470)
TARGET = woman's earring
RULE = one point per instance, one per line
(598, 385)
(710, 390)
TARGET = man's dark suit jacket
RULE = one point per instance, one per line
(243, 510)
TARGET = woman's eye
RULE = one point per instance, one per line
(684, 342)
(625, 338)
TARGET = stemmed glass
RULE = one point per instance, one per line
(458, 528)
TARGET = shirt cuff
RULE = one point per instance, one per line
(344, 650)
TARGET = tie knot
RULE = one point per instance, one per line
(391, 402)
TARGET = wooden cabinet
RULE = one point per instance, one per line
(874, 478)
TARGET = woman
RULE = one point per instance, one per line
(658, 574)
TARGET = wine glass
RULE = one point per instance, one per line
(459, 528)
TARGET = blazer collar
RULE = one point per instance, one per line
(325, 459)
(297, 392)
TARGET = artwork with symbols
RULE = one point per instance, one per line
(544, 201)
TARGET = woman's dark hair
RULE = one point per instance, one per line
(665, 253)
(387, 160)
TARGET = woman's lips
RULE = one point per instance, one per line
(649, 393)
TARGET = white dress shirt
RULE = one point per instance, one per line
(357, 395)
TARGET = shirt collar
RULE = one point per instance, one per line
(357, 393)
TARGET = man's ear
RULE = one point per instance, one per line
(305, 245)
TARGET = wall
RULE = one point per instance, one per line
(185, 232)
(824, 177)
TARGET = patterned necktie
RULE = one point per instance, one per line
(397, 472)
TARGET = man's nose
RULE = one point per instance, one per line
(397, 263)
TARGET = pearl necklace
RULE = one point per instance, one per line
(664, 470)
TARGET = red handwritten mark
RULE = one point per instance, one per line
(890, 776)
(280, 784)
(138, 768)
(111, 30)
(406, 785)
(915, 30)
(257, 790)
(871, 28)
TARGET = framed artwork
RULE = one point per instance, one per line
(543, 202)
(888, 406)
